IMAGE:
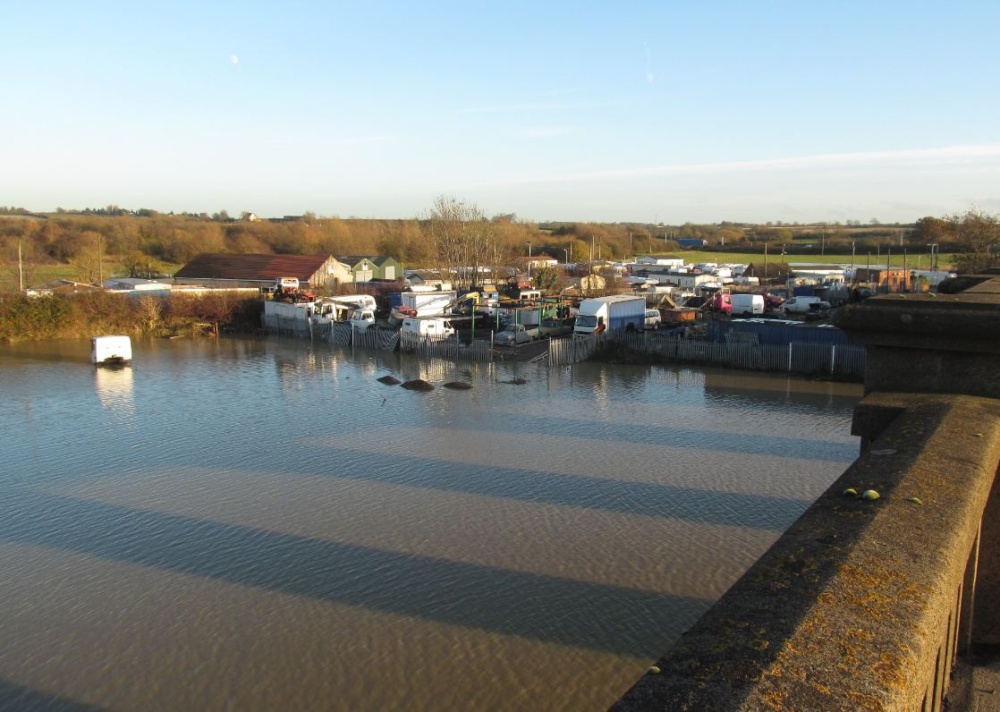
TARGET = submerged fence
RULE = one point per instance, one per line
(838, 360)
(813, 359)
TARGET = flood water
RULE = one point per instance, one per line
(262, 525)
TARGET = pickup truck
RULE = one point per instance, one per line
(514, 334)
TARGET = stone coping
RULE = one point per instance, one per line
(967, 321)
(852, 606)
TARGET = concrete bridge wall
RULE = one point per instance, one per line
(865, 604)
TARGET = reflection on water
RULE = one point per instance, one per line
(237, 524)
(114, 388)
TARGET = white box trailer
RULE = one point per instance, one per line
(429, 303)
(111, 350)
(618, 311)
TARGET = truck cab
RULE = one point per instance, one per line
(361, 319)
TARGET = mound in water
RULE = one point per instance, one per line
(458, 385)
(389, 380)
(418, 385)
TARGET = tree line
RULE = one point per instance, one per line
(60, 316)
(453, 234)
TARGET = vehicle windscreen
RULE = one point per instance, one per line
(586, 321)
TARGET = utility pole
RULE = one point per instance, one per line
(20, 269)
(853, 272)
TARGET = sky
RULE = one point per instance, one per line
(667, 111)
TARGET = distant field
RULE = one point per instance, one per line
(896, 260)
(37, 275)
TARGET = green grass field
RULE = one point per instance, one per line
(36, 275)
(893, 260)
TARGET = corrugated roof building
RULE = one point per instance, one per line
(230, 270)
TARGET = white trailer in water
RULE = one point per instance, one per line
(111, 350)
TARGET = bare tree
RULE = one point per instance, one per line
(465, 240)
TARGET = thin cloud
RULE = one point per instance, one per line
(965, 155)
(515, 108)
(537, 132)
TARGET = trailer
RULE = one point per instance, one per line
(619, 311)
(428, 303)
(111, 351)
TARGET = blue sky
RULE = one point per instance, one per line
(667, 111)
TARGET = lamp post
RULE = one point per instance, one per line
(566, 254)
(933, 247)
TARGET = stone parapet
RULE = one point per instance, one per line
(858, 605)
(931, 343)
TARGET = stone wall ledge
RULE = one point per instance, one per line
(955, 322)
(857, 604)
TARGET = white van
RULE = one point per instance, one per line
(744, 304)
(804, 305)
(652, 319)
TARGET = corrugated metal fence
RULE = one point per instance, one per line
(840, 360)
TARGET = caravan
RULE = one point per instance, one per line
(429, 327)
